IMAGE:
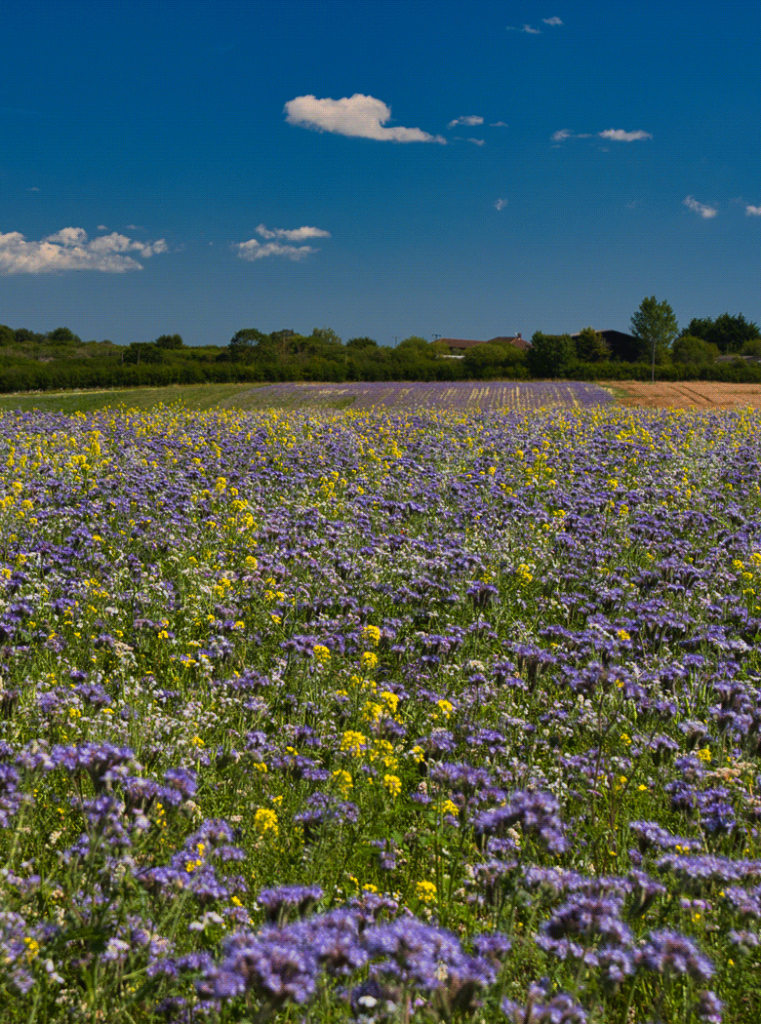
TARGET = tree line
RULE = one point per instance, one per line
(727, 347)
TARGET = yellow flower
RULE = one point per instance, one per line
(369, 659)
(425, 892)
(391, 700)
(705, 755)
(393, 784)
(448, 807)
(265, 822)
(32, 948)
(353, 743)
(321, 654)
(343, 781)
(371, 635)
(445, 707)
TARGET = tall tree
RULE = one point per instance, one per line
(654, 324)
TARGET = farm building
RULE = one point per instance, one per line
(459, 346)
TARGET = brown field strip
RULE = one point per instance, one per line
(685, 395)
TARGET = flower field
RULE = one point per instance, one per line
(383, 716)
(455, 396)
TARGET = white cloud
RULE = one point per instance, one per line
(292, 235)
(498, 124)
(253, 250)
(753, 211)
(562, 135)
(477, 142)
(102, 227)
(619, 135)
(552, 21)
(706, 212)
(525, 28)
(355, 116)
(33, 189)
(70, 249)
(500, 204)
(468, 119)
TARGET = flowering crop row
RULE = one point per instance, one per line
(458, 396)
(414, 715)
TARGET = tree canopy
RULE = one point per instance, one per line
(728, 333)
(655, 326)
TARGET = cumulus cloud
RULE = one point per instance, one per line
(562, 135)
(254, 250)
(753, 211)
(619, 135)
(500, 204)
(706, 212)
(71, 249)
(552, 21)
(293, 234)
(477, 142)
(355, 116)
(468, 119)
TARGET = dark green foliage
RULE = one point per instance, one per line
(144, 352)
(551, 355)
(691, 351)
(495, 359)
(752, 348)
(359, 344)
(591, 347)
(169, 341)
(243, 343)
(729, 333)
(63, 336)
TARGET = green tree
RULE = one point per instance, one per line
(655, 327)
(550, 355)
(752, 348)
(692, 351)
(244, 342)
(7, 335)
(360, 344)
(140, 352)
(169, 341)
(591, 347)
(63, 336)
(729, 333)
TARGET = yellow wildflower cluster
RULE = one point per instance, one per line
(265, 822)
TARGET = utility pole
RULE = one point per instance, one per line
(436, 337)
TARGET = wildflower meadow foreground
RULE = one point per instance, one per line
(380, 717)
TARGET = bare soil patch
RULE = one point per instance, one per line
(685, 394)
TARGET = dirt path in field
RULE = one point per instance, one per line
(685, 395)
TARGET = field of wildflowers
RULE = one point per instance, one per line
(380, 716)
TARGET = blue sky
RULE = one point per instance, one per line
(454, 168)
